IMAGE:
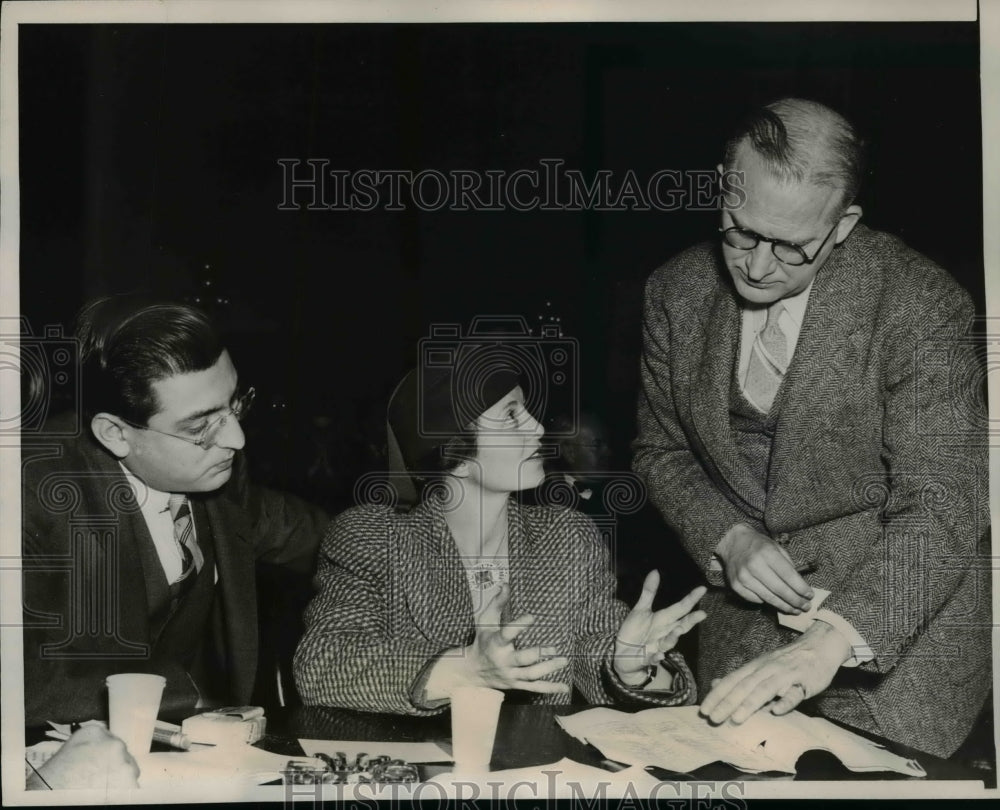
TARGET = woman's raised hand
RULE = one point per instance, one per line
(644, 637)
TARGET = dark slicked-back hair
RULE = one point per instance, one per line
(128, 342)
(803, 141)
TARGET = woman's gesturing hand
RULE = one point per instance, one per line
(645, 637)
(495, 661)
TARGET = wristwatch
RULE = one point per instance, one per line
(650, 674)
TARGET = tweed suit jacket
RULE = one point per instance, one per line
(86, 607)
(392, 596)
(877, 479)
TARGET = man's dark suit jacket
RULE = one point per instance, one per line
(86, 611)
(877, 479)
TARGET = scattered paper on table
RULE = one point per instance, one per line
(859, 754)
(677, 742)
(239, 763)
(410, 751)
(40, 753)
(679, 739)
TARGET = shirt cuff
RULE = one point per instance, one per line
(860, 651)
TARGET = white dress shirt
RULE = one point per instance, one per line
(155, 511)
(753, 321)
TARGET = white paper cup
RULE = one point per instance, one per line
(474, 714)
(133, 704)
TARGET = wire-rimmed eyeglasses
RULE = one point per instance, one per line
(208, 435)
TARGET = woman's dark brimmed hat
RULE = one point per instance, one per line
(432, 405)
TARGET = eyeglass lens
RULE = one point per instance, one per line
(238, 411)
(745, 240)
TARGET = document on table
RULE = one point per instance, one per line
(410, 751)
(679, 739)
(241, 764)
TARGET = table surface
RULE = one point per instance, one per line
(528, 735)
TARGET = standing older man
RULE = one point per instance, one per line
(802, 427)
(141, 534)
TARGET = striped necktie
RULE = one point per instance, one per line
(768, 361)
(187, 543)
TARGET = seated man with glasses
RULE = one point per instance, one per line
(140, 529)
(802, 427)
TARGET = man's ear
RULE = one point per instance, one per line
(110, 431)
(848, 220)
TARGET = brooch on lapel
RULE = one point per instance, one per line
(487, 574)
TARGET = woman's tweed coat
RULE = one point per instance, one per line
(393, 595)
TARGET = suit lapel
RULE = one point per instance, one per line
(717, 347)
(235, 557)
(151, 577)
(114, 495)
(518, 552)
(830, 325)
(433, 578)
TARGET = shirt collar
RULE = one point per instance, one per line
(795, 307)
(145, 495)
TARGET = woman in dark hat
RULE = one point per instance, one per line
(470, 588)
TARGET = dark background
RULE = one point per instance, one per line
(148, 158)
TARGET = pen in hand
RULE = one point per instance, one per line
(165, 733)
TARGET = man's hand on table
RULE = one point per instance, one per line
(90, 758)
(644, 637)
(493, 660)
(759, 570)
(787, 676)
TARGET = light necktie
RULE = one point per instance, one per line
(193, 559)
(768, 361)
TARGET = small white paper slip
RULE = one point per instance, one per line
(410, 751)
(802, 622)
